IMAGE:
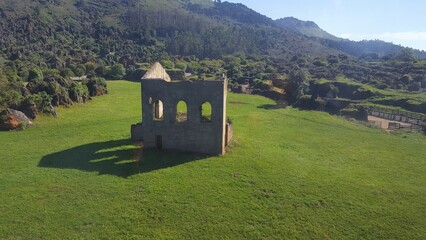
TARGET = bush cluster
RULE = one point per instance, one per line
(42, 93)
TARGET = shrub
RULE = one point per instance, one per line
(262, 85)
(55, 86)
(320, 104)
(42, 101)
(117, 71)
(37, 85)
(306, 102)
(297, 84)
(35, 74)
(79, 70)
(78, 92)
(59, 93)
(67, 72)
(96, 86)
(90, 68)
(167, 64)
(101, 71)
(356, 112)
(51, 72)
(181, 65)
(45, 104)
(11, 98)
(319, 63)
(228, 120)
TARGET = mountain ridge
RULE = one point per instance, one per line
(307, 28)
(354, 48)
(149, 29)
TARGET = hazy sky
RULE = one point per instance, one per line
(398, 21)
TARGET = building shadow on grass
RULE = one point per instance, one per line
(279, 104)
(120, 158)
(272, 106)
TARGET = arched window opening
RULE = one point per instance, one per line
(206, 112)
(181, 112)
(158, 110)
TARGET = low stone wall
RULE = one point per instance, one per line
(398, 118)
(229, 133)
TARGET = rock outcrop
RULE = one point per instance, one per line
(12, 119)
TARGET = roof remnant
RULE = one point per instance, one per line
(157, 72)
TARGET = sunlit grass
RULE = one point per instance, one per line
(289, 174)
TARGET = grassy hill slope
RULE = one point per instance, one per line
(290, 174)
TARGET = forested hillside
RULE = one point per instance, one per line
(52, 31)
(60, 31)
(49, 41)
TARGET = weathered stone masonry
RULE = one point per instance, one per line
(160, 128)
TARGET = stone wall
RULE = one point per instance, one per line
(193, 135)
(229, 133)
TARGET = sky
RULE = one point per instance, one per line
(402, 22)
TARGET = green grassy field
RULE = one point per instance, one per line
(289, 174)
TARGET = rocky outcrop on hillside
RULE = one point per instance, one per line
(11, 119)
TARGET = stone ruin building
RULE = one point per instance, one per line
(199, 125)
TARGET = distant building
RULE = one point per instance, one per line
(191, 129)
(78, 79)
